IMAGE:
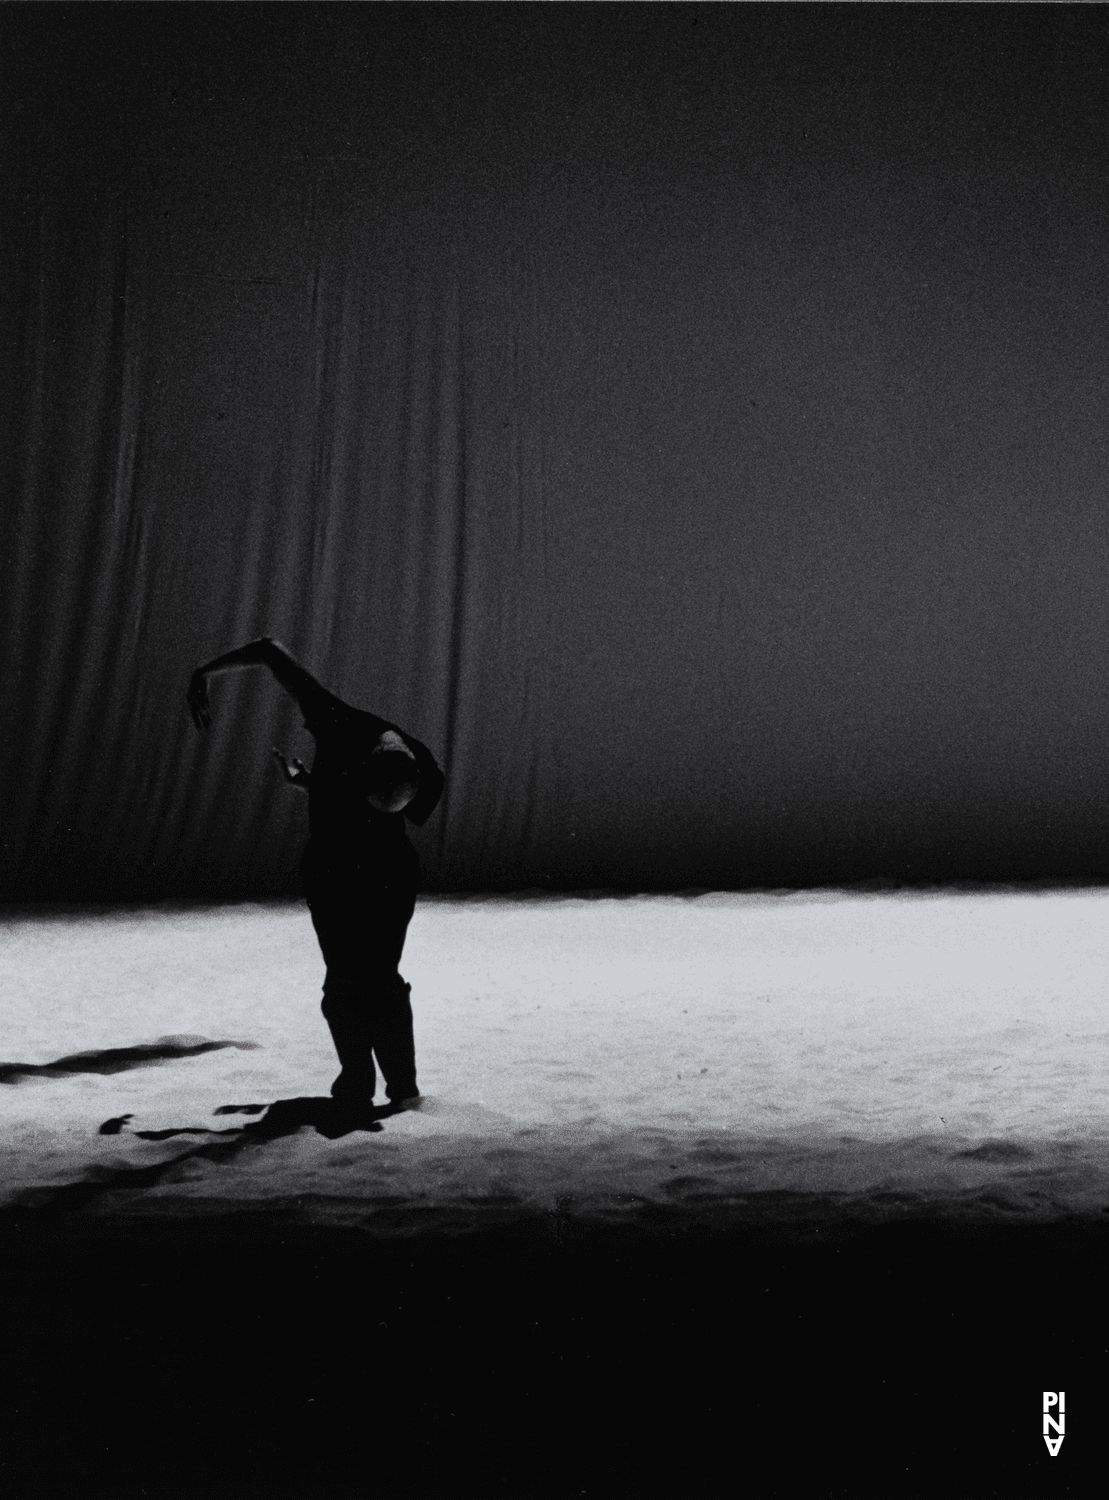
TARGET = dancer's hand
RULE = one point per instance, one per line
(198, 699)
(295, 772)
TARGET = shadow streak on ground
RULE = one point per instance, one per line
(282, 1118)
(118, 1059)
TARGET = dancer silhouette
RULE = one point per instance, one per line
(360, 872)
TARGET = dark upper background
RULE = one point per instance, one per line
(689, 420)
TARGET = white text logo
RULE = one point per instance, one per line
(1057, 1399)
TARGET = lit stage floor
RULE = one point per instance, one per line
(790, 1059)
(815, 1182)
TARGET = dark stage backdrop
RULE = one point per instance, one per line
(689, 420)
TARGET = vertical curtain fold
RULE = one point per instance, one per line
(712, 475)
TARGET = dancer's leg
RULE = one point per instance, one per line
(394, 1042)
(365, 1001)
(344, 1001)
(389, 1003)
(349, 1020)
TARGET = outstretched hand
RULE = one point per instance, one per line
(295, 772)
(197, 697)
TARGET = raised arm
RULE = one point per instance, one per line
(295, 679)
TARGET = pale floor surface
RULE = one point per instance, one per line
(592, 1054)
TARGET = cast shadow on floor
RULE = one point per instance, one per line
(118, 1059)
(283, 1117)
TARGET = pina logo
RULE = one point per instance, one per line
(1058, 1399)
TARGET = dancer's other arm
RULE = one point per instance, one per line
(295, 679)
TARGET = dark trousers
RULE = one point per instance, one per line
(361, 930)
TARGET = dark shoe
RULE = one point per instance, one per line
(352, 1093)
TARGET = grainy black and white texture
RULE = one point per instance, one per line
(690, 421)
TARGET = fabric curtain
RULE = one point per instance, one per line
(689, 421)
